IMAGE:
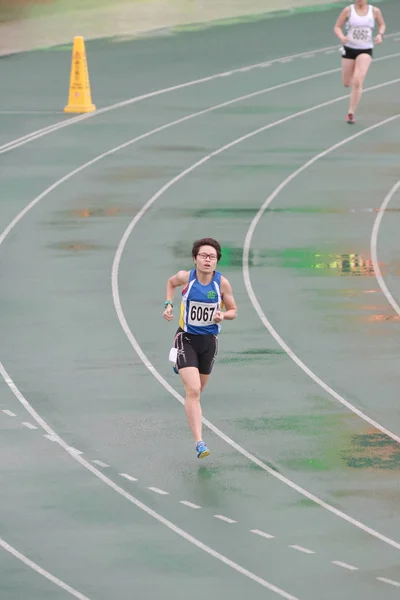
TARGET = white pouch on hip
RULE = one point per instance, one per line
(173, 355)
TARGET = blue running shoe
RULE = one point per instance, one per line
(202, 450)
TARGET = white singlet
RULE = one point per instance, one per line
(360, 29)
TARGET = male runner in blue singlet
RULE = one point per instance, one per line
(205, 294)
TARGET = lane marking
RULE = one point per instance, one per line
(128, 477)
(190, 504)
(9, 412)
(28, 425)
(75, 450)
(100, 463)
(119, 490)
(29, 563)
(344, 565)
(158, 491)
(226, 519)
(268, 536)
(374, 251)
(302, 549)
(389, 581)
(231, 521)
(257, 307)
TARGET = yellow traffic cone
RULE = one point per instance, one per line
(80, 100)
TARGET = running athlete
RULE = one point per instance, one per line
(358, 20)
(206, 293)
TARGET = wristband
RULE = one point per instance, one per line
(167, 303)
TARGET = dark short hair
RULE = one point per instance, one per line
(206, 242)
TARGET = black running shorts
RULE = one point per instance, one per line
(196, 351)
(352, 53)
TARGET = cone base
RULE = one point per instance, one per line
(80, 109)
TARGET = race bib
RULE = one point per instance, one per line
(201, 314)
(361, 34)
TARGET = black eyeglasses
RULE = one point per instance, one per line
(203, 255)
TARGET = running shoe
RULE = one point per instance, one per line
(350, 119)
(202, 450)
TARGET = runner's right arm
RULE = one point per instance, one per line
(181, 278)
(338, 29)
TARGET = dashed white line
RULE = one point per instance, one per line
(344, 565)
(100, 463)
(28, 425)
(119, 490)
(301, 549)
(128, 477)
(226, 519)
(262, 534)
(50, 437)
(190, 504)
(389, 581)
(9, 412)
(158, 491)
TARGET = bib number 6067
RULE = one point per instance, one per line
(201, 314)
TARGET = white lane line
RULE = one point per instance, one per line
(43, 572)
(268, 536)
(301, 549)
(34, 135)
(344, 565)
(158, 491)
(226, 519)
(374, 251)
(84, 463)
(75, 450)
(9, 412)
(190, 504)
(29, 425)
(389, 581)
(100, 463)
(158, 376)
(256, 304)
(128, 477)
(52, 438)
